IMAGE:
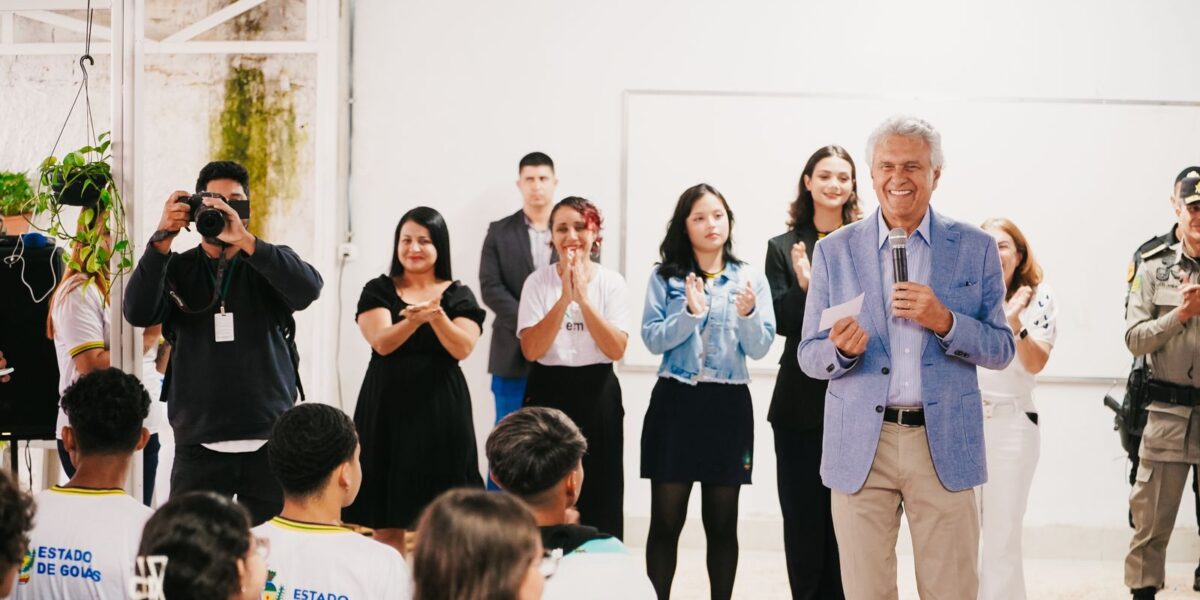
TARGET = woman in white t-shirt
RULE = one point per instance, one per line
(572, 324)
(1011, 424)
(78, 322)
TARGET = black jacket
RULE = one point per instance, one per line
(799, 400)
(224, 391)
(503, 267)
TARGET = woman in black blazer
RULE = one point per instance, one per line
(827, 199)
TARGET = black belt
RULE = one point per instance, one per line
(1170, 393)
(905, 417)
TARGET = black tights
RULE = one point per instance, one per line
(668, 511)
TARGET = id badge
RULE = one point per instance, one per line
(223, 326)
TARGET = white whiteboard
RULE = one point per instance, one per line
(1087, 181)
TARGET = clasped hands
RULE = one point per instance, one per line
(911, 301)
(424, 312)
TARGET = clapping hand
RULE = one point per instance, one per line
(745, 299)
(693, 288)
(801, 265)
(579, 278)
(1013, 307)
(1189, 305)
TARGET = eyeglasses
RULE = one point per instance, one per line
(549, 563)
(261, 547)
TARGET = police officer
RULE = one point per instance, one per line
(1164, 299)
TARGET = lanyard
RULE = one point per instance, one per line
(226, 276)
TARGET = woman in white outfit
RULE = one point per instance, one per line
(1011, 421)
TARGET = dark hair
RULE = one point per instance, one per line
(1028, 271)
(800, 213)
(202, 535)
(223, 169)
(533, 449)
(591, 216)
(438, 232)
(307, 443)
(16, 519)
(535, 159)
(678, 257)
(473, 545)
(105, 409)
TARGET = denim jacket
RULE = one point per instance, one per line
(712, 346)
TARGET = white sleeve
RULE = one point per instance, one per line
(1041, 318)
(532, 308)
(399, 579)
(79, 320)
(616, 301)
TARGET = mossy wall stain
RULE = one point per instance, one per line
(257, 128)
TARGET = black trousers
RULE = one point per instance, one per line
(808, 539)
(244, 476)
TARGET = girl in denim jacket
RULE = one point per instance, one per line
(705, 312)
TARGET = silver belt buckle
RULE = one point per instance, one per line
(900, 412)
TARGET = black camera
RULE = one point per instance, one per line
(210, 221)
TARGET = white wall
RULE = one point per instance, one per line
(449, 95)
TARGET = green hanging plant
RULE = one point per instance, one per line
(84, 178)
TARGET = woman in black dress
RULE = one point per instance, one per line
(827, 199)
(414, 410)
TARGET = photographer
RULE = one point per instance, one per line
(226, 307)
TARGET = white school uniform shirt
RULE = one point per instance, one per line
(325, 562)
(600, 570)
(573, 346)
(1014, 384)
(81, 323)
(82, 546)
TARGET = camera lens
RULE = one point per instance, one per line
(210, 222)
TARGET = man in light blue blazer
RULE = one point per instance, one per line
(903, 416)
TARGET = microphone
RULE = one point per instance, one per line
(898, 240)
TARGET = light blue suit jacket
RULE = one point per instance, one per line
(966, 277)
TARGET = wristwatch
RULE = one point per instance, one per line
(1024, 333)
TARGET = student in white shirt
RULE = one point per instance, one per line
(78, 322)
(314, 454)
(85, 540)
(537, 455)
(572, 322)
(16, 519)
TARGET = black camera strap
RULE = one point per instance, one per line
(220, 287)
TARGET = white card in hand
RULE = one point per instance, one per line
(833, 314)
(223, 326)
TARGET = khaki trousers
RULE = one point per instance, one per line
(1154, 503)
(944, 524)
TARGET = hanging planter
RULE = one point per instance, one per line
(16, 202)
(83, 178)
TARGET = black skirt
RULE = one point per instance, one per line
(591, 396)
(702, 432)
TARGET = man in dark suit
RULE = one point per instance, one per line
(515, 246)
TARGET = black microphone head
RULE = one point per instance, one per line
(897, 238)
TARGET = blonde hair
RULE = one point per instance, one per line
(72, 278)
